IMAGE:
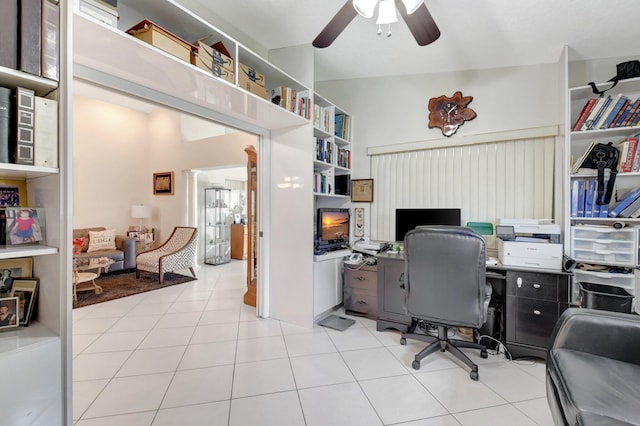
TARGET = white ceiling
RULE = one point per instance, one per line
(476, 34)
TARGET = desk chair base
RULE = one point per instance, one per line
(444, 344)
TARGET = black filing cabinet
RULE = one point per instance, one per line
(535, 301)
(360, 290)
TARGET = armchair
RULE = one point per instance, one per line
(444, 284)
(593, 368)
(178, 252)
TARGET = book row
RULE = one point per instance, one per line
(28, 128)
(322, 182)
(628, 158)
(297, 102)
(343, 126)
(29, 30)
(606, 112)
(584, 193)
(329, 152)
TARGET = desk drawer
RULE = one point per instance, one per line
(361, 279)
(533, 285)
(364, 302)
(534, 321)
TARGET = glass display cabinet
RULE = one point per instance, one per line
(217, 225)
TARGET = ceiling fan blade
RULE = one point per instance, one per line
(333, 29)
(420, 23)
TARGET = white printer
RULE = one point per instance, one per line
(530, 243)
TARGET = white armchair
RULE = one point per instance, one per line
(178, 252)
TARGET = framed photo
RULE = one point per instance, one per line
(26, 291)
(362, 190)
(9, 195)
(8, 313)
(24, 225)
(163, 183)
(10, 269)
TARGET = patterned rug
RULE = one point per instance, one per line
(116, 286)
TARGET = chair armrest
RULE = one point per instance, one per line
(608, 334)
(128, 246)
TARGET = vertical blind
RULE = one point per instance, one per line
(510, 179)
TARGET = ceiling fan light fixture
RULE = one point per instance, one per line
(365, 8)
(387, 12)
(412, 5)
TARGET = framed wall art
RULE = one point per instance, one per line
(26, 290)
(10, 269)
(362, 190)
(8, 313)
(163, 183)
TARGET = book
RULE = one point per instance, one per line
(592, 115)
(636, 158)
(24, 102)
(599, 116)
(30, 42)
(50, 40)
(580, 161)
(581, 193)
(624, 202)
(45, 140)
(575, 188)
(620, 101)
(591, 193)
(631, 114)
(630, 209)
(623, 114)
(584, 114)
(9, 34)
(6, 123)
(627, 154)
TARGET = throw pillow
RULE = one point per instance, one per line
(102, 240)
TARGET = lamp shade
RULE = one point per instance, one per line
(412, 5)
(387, 12)
(140, 211)
(365, 8)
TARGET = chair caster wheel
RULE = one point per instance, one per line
(403, 341)
(484, 354)
(474, 375)
(415, 365)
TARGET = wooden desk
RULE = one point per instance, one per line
(528, 303)
(239, 241)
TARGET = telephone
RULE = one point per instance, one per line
(354, 259)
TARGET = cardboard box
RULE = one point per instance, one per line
(223, 73)
(151, 33)
(206, 57)
(248, 73)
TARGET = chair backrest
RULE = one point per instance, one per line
(444, 275)
(181, 237)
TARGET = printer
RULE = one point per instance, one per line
(530, 243)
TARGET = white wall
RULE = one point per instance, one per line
(393, 110)
(116, 152)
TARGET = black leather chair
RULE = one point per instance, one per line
(444, 283)
(593, 368)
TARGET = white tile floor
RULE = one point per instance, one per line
(193, 354)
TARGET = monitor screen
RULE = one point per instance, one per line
(408, 219)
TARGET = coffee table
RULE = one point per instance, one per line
(85, 272)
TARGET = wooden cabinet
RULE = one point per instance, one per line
(239, 241)
(535, 300)
(361, 290)
(391, 312)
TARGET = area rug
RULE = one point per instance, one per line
(116, 286)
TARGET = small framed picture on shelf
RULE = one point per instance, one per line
(24, 225)
(11, 269)
(362, 190)
(26, 291)
(8, 313)
(9, 195)
(163, 183)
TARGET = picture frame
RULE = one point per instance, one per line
(11, 269)
(24, 225)
(26, 290)
(362, 190)
(8, 313)
(163, 183)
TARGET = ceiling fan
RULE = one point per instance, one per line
(414, 13)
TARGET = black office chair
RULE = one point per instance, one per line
(593, 368)
(444, 284)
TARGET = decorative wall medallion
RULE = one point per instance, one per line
(450, 113)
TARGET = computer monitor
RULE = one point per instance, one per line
(408, 219)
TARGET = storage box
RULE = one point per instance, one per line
(252, 81)
(223, 73)
(605, 297)
(206, 57)
(153, 34)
